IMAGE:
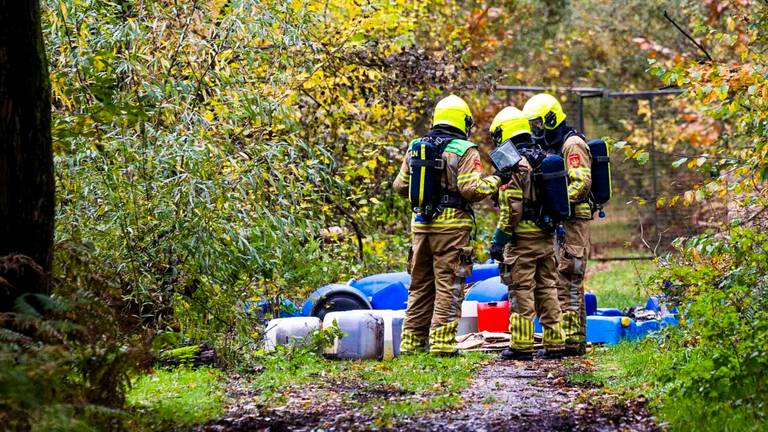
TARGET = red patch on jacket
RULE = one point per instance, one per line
(478, 165)
(574, 160)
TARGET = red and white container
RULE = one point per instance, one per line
(493, 316)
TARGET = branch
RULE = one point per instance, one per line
(690, 38)
(355, 226)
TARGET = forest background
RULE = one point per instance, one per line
(211, 153)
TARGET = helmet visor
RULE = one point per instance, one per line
(537, 127)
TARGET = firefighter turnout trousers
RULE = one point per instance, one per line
(438, 264)
(530, 272)
(572, 265)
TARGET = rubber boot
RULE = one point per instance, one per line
(550, 355)
(509, 354)
(574, 350)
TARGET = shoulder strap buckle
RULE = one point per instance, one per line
(437, 164)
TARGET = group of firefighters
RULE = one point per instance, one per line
(543, 268)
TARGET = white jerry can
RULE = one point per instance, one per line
(289, 331)
(468, 321)
(393, 329)
(363, 335)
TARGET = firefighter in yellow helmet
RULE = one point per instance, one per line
(548, 127)
(528, 266)
(441, 174)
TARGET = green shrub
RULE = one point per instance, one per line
(66, 360)
(712, 368)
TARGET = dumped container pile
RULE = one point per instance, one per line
(370, 313)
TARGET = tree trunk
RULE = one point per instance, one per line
(26, 159)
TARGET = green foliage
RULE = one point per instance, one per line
(177, 398)
(184, 355)
(66, 360)
(723, 281)
(205, 150)
(707, 374)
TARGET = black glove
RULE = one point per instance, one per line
(497, 252)
(504, 175)
(495, 198)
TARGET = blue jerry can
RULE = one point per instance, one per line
(489, 290)
(609, 329)
(608, 312)
(653, 303)
(646, 327)
(669, 319)
(590, 303)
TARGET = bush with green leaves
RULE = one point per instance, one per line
(203, 149)
(715, 371)
(66, 360)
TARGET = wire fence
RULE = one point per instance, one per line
(640, 222)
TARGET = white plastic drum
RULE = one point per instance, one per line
(393, 328)
(289, 331)
(468, 321)
(363, 335)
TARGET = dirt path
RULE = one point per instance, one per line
(536, 396)
(504, 396)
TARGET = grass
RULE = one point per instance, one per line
(618, 284)
(430, 382)
(177, 398)
(440, 380)
(643, 368)
(628, 366)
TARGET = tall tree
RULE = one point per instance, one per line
(26, 159)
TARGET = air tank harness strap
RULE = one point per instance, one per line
(437, 164)
(455, 200)
(552, 175)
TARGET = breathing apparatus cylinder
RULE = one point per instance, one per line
(554, 188)
(601, 189)
(426, 162)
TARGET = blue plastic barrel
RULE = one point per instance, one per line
(590, 303)
(488, 290)
(386, 290)
(482, 272)
(537, 327)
